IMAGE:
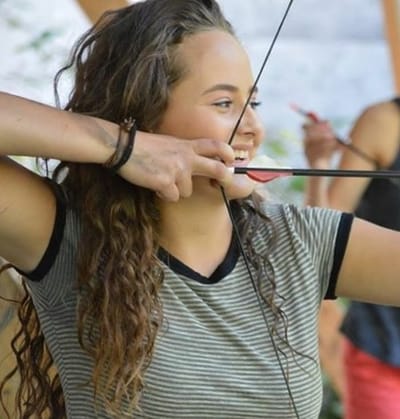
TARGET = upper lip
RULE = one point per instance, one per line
(242, 147)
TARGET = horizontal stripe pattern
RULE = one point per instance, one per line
(214, 357)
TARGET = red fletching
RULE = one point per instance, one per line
(267, 176)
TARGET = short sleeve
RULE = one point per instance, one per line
(313, 240)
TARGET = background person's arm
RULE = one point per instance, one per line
(95, 8)
(377, 133)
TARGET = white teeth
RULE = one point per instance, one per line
(241, 155)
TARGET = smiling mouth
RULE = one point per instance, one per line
(242, 159)
(241, 155)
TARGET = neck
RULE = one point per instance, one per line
(196, 231)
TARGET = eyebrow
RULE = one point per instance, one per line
(228, 87)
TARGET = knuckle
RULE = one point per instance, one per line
(186, 192)
(215, 143)
(164, 181)
(219, 169)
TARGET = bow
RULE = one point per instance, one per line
(236, 232)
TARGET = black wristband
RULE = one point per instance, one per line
(120, 157)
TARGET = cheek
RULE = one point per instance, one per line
(261, 135)
(179, 121)
(168, 123)
(195, 124)
(260, 129)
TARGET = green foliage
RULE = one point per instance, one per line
(331, 405)
(39, 42)
(282, 147)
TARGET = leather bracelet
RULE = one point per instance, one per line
(123, 152)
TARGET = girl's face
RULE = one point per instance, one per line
(207, 102)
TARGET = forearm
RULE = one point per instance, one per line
(29, 128)
(158, 162)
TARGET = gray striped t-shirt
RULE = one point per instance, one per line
(214, 357)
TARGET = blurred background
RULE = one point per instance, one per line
(333, 58)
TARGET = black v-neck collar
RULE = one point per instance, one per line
(222, 270)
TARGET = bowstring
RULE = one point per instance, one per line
(236, 232)
(264, 63)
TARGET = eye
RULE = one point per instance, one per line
(254, 104)
(223, 103)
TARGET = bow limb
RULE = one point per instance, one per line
(262, 68)
(236, 232)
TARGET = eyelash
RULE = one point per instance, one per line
(254, 104)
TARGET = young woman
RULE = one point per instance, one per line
(371, 345)
(148, 303)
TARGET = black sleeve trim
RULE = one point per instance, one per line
(342, 238)
(55, 240)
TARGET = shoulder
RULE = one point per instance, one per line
(55, 275)
(294, 213)
(307, 223)
(381, 112)
(377, 131)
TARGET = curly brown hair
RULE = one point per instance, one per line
(126, 65)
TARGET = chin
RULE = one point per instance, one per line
(240, 188)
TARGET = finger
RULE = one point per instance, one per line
(185, 186)
(183, 181)
(214, 169)
(170, 194)
(214, 148)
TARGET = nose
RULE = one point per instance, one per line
(251, 125)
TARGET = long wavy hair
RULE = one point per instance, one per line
(124, 66)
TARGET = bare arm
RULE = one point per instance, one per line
(27, 205)
(29, 128)
(371, 265)
(370, 273)
(95, 8)
(376, 132)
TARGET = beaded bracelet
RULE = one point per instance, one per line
(122, 151)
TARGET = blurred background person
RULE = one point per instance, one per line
(367, 376)
(95, 8)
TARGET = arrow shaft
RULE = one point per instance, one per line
(385, 174)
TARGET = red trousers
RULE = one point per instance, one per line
(373, 387)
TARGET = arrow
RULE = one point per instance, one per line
(266, 174)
